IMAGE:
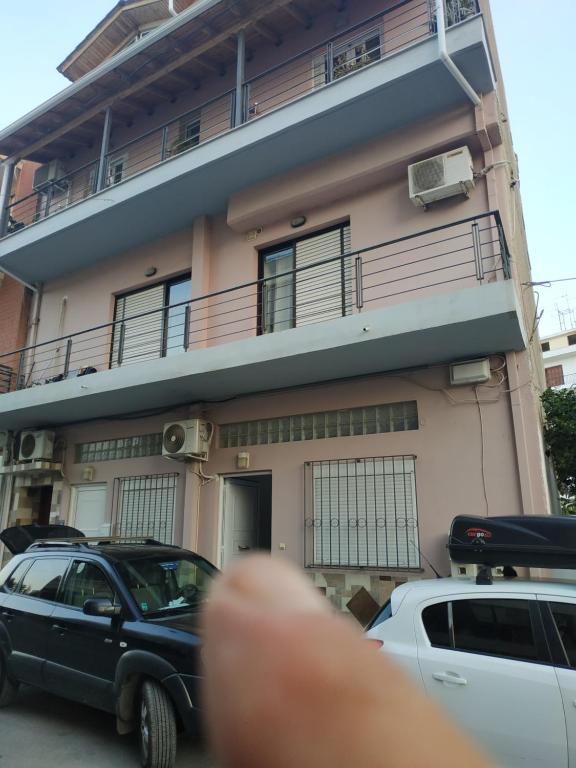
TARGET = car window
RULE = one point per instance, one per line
(565, 618)
(435, 620)
(86, 581)
(383, 615)
(43, 578)
(12, 580)
(498, 627)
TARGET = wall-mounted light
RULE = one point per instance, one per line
(298, 221)
(243, 460)
(151, 271)
(88, 474)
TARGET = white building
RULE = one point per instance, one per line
(559, 353)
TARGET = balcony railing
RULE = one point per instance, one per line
(362, 45)
(329, 286)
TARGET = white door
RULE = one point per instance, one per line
(241, 518)
(485, 668)
(89, 513)
(564, 615)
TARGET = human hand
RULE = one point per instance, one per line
(290, 684)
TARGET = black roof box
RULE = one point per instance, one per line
(536, 541)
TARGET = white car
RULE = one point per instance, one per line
(500, 658)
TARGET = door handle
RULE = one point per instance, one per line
(7, 615)
(450, 678)
(243, 548)
(59, 628)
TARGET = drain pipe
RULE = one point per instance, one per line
(445, 58)
(171, 10)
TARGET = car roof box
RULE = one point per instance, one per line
(18, 538)
(533, 541)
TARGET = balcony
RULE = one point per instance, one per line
(373, 77)
(431, 297)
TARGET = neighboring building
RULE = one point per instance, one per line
(223, 229)
(559, 352)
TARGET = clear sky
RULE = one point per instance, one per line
(538, 56)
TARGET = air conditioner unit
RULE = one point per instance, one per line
(442, 176)
(36, 446)
(187, 439)
(50, 174)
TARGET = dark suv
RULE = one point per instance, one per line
(110, 624)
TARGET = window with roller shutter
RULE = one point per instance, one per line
(150, 323)
(320, 290)
(362, 513)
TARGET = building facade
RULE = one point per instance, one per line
(559, 351)
(229, 259)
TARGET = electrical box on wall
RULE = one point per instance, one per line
(470, 372)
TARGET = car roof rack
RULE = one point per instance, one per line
(84, 542)
(531, 541)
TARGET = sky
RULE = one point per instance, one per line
(538, 57)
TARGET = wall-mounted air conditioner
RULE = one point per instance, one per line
(50, 174)
(470, 372)
(187, 440)
(445, 175)
(36, 446)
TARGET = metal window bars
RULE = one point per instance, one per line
(145, 504)
(363, 44)
(462, 254)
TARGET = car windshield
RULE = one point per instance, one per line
(162, 585)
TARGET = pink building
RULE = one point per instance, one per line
(282, 232)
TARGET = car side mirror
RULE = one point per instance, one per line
(101, 607)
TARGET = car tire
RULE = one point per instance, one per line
(8, 689)
(157, 727)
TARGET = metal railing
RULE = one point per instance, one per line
(328, 286)
(374, 39)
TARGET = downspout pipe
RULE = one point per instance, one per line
(171, 9)
(445, 58)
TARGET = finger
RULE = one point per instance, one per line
(290, 684)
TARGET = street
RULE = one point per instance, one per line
(41, 731)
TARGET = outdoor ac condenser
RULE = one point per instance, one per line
(36, 446)
(187, 440)
(442, 176)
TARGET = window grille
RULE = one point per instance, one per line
(361, 513)
(144, 506)
(369, 420)
(122, 448)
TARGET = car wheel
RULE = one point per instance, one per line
(157, 727)
(8, 689)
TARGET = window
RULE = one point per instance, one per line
(554, 376)
(188, 135)
(435, 620)
(12, 581)
(316, 293)
(545, 346)
(497, 627)
(43, 578)
(144, 506)
(122, 448)
(116, 169)
(565, 618)
(572, 339)
(86, 582)
(361, 513)
(383, 615)
(371, 420)
(153, 326)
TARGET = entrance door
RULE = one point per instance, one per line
(89, 512)
(246, 516)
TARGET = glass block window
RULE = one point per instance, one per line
(122, 448)
(369, 420)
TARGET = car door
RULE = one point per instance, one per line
(559, 615)
(26, 614)
(484, 658)
(83, 651)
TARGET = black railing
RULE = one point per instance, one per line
(328, 286)
(382, 35)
